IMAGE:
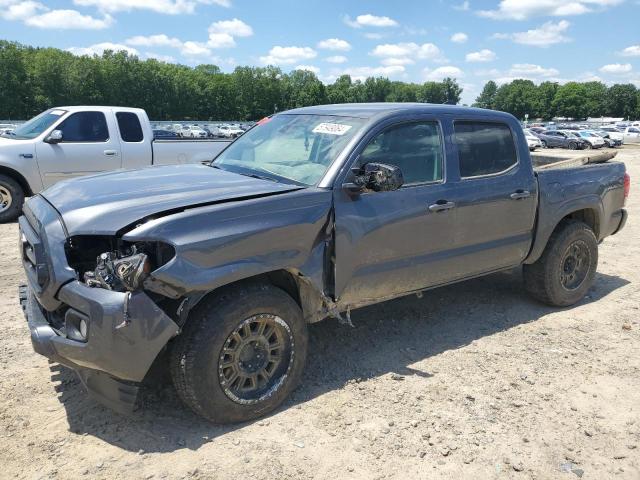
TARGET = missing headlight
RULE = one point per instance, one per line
(114, 264)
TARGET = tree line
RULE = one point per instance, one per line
(35, 79)
(576, 100)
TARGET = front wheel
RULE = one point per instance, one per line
(587, 146)
(544, 144)
(241, 353)
(11, 199)
(572, 145)
(567, 268)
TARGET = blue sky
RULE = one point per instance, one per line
(473, 41)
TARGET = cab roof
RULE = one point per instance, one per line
(369, 110)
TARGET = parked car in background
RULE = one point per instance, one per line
(613, 132)
(161, 134)
(561, 139)
(593, 140)
(67, 142)
(229, 131)
(606, 136)
(631, 134)
(533, 141)
(305, 217)
(193, 131)
(7, 128)
(536, 130)
(212, 131)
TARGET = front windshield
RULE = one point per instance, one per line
(295, 147)
(37, 125)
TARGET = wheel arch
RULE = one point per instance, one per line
(299, 287)
(10, 172)
(590, 215)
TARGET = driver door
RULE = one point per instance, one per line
(389, 243)
(86, 148)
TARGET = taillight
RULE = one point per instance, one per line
(627, 186)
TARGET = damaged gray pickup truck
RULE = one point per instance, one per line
(312, 213)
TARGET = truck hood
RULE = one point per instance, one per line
(106, 203)
(10, 147)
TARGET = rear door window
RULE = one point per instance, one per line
(484, 148)
(130, 128)
(85, 127)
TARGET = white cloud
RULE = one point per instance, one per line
(221, 40)
(459, 37)
(335, 44)
(547, 34)
(396, 61)
(463, 7)
(528, 70)
(369, 20)
(616, 68)
(443, 72)
(35, 14)
(524, 9)
(632, 51)
(287, 55)
(68, 19)
(169, 7)
(426, 51)
(160, 40)
(195, 49)
(20, 10)
(309, 68)
(484, 55)
(99, 48)
(234, 28)
(336, 59)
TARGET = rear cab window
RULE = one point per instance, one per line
(130, 127)
(484, 148)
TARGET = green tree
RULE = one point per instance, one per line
(546, 93)
(622, 100)
(487, 97)
(518, 98)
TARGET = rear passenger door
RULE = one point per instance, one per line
(495, 196)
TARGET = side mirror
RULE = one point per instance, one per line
(54, 137)
(377, 177)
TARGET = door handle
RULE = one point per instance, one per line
(110, 153)
(520, 194)
(441, 206)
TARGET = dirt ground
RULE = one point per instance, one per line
(474, 380)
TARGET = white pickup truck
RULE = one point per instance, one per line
(68, 142)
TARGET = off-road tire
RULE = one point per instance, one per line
(195, 354)
(17, 199)
(542, 279)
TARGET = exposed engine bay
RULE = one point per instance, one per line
(116, 272)
(113, 264)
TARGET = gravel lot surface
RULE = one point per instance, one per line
(474, 380)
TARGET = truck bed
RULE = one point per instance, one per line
(568, 159)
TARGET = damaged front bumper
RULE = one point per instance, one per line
(124, 332)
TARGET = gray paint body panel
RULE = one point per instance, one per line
(226, 227)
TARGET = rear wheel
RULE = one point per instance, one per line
(11, 199)
(567, 268)
(241, 354)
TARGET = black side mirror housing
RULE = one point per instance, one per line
(54, 137)
(376, 177)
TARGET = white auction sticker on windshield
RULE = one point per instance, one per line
(332, 128)
(56, 112)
